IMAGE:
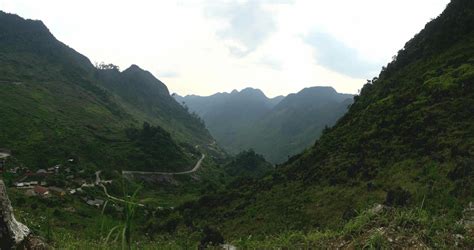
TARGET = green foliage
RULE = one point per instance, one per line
(248, 164)
(56, 105)
(148, 98)
(368, 230)
(277, 128)
(412, 219)
(406, 140)
(376, 241)
(157, 150)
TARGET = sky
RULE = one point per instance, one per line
(207, 46)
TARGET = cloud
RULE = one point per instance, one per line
(249, 24)
(337, 56)
(271, 62)
(168, 74)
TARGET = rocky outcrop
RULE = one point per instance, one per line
(14, 234)
(468, 216)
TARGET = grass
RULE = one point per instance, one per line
(376, 241)
(395, 227)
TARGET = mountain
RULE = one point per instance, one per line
(295, 122)
(149, 98)
(277, 127)
(227, 114)
(55, 105)
(406, 142)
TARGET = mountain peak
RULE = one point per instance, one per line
(16, 24)
(253, 92)
(134, 68)
(319, 89)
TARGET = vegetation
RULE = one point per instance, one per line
(148, 98)
(155, 149)
(369, 230)
(248, 164)
(407, 140)
(402, 179)
(278, 127)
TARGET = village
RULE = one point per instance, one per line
(59, 180)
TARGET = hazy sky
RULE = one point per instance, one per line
(203, 47)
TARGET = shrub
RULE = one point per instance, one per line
(211, 237)
(397, 197)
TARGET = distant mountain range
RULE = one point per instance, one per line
(275, 127)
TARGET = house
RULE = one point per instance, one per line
(19, 184)
(41, 191)
(41, 172)
(4, 154)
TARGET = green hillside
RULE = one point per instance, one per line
(406, 142)
(54, 106)
(248, 164)
(149, 98)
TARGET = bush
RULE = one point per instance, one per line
(211, 237)
(397, 197)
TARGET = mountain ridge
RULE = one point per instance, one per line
(248, 119)
(54, 105)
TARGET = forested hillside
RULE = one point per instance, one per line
(406, 142)
(148, 97)
(55, 105)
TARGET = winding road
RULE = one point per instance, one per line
(99, 183)
(196, 167)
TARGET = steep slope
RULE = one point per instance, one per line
(295, 123)
(149, 98)
(408, 140)
(277, 128)
(53, 106)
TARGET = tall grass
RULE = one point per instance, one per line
(122, 233)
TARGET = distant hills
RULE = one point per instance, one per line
(54, 105)
(275, 127)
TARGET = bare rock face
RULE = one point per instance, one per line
(13, 234)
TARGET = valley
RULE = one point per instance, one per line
(95, 157)
(277, 127)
